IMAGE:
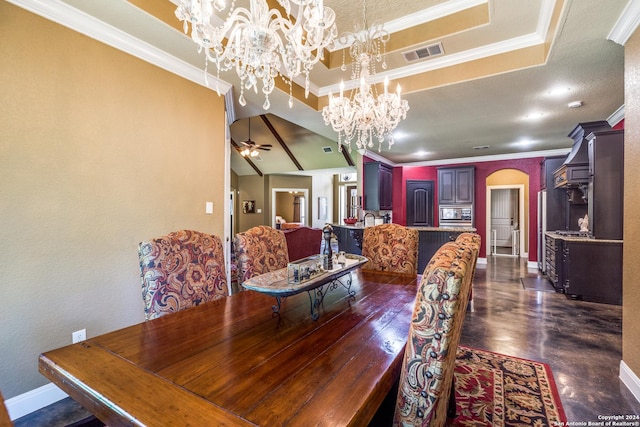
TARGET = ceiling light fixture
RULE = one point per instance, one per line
(259, 42)
(575, 104)
(365, 114)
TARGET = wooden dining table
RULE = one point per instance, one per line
(233, 361)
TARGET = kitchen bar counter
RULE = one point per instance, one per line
(448, 228)
(429, 241)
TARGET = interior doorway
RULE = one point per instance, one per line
(506, 227)
(291, 204)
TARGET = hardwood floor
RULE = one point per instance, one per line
(581, 341)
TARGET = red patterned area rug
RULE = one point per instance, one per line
(497, 390)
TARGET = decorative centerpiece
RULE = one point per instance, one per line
(306, 268)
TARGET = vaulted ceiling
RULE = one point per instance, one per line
(500, 88)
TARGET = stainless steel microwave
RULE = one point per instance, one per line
(456, 215)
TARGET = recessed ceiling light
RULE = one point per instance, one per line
(534, 116)
(559, 90)
(575, 104)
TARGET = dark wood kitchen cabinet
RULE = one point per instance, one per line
(592, 270)
(429, 241)
(586, 269)
(349, 239)
(456, 185)
(606, 170)
(378, 187)
(553, 261)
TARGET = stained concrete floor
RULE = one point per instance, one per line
(581, 341)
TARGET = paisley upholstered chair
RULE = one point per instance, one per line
(391, 247)
(181, 270)
(473, 240)
(434, 333)
(260, 250)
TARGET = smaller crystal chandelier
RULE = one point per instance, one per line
(365, 114)
(259, 42)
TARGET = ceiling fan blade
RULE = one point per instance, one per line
(262, 147)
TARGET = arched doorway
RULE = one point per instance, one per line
(507, 216)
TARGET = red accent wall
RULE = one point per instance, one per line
(530, 166)
(619, 125)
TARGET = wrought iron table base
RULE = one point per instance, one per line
(316, 295)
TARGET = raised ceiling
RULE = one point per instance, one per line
(508, 71)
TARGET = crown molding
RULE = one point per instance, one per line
(626, 23)
(76, 20)
(616, 117)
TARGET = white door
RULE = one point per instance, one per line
(504, 216)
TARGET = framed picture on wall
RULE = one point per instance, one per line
(249, 206)
(322, 208)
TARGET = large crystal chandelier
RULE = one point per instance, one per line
(365, 114)
(259, 42)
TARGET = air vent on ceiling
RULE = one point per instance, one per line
(424, 52)
(481, 147)
(327, 149)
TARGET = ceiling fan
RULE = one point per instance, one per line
(251, 148)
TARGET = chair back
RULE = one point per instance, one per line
(391, 247)
(181, 270)
(303, 242)
(434, 333)
(260, 250)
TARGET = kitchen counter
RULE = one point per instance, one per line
(575, 238)
(447, 228)
(429, 239)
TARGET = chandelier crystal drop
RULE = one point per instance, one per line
(365, 114)
(259, 43)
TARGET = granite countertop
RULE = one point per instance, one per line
(587, 239)
(456, 229)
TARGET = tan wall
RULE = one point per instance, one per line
(250, 187)
(98, 151)
(284, 205)
(631, 269)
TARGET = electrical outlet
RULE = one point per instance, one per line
(78, 336)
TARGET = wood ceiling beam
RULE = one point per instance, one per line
(255, 168)
(347, 156)
(278, 138)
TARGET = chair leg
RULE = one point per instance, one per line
(451, 407)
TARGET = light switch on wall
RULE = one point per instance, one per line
(259, 210)
(208, 208)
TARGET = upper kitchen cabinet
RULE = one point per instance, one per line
(456, 185)
(378, 187)
(606, 169)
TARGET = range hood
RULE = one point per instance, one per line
(574, 172)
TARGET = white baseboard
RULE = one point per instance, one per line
(630, 379)
(33, 400)
(481, 261)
